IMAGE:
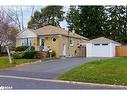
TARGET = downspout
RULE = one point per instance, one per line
(27, 42)
(68, 44)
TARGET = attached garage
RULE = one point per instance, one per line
(101, 47)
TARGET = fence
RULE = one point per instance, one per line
(121, 50)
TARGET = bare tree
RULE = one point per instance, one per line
(7, 31)
(13, 14)
(18, 15)
(11, 21)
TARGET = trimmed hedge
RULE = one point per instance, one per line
(30, 55)
(23, 48)
(18, 55)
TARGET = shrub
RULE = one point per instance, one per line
(23, 48)
(53, 54)
(18, 55)
(30, 55)
(32, 48)
(39, 55)
(47, 54)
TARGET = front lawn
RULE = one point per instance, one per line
(109, 71)
(4, 62)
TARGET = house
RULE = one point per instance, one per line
(101, 47)
(64, 43)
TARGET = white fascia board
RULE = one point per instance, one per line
(27, 34)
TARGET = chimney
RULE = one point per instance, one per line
(73, 31)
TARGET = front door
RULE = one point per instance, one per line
(42, 44)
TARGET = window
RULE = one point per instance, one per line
(104, 44)
(71, 41)
(26, 42)
(96, 44)
(54, 39)
(42, 41)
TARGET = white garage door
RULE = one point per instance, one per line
(100, 50)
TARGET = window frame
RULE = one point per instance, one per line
(97, 44)
(26, 42)
(53, 38)
(105, 44)
(71, 41)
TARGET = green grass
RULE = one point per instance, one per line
(4, 62)
(109, 71)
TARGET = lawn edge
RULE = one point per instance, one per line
(20, 65)
(27, 63)
(88, 83)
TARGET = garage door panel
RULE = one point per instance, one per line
(101, 51)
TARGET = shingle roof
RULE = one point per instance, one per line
(52, 30)
(101, 40)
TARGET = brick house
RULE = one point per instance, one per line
(64, 43)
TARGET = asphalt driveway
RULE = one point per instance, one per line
(47, 70)
(42, 75)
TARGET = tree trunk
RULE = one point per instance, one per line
(9, 56)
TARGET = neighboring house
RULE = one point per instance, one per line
(64, 43)
(101, 47)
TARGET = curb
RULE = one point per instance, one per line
(51, 60)
(19, 65)
(61, 81)
(95, 84)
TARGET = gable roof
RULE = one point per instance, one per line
(101, 40)
(52, 30)
(26, 33)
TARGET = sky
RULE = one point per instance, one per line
(27, 10)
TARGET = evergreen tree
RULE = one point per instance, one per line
(73, 19)
(87, 21)
(117, 21)
(97, 21)
(52, 15)
(92, 21)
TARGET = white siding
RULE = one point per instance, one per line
(100, 50)
(27, 34)
(89, 50)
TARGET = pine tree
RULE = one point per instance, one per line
(92, 21)
(117, 21)
(73, 19)
(52, 15)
